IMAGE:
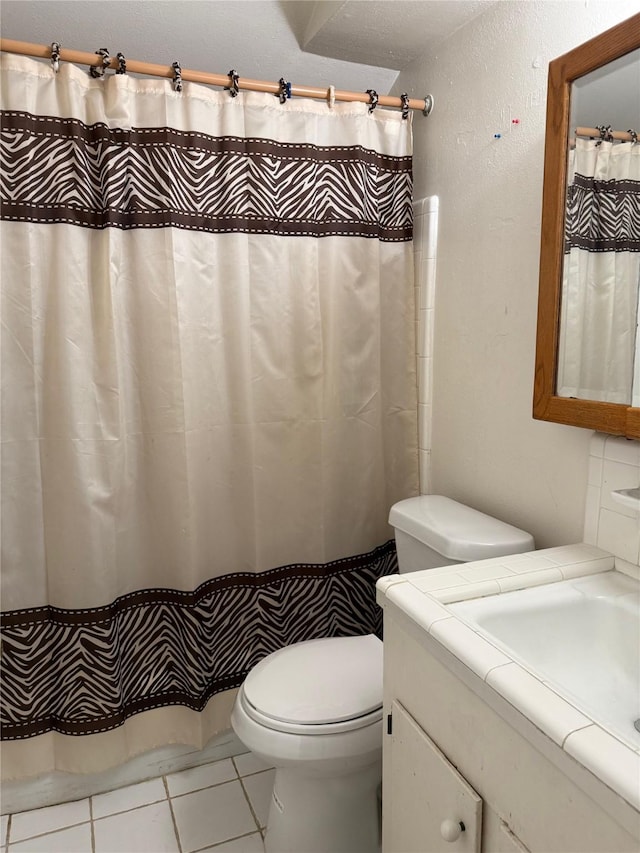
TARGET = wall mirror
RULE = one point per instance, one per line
(587, 369)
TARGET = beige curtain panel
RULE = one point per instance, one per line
(209, 397)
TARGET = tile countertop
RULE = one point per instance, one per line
(422, 596)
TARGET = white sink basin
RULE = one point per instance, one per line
(581, 636)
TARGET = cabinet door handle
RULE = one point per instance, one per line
(451, 830)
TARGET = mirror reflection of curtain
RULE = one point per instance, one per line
(635, 391)
(599, 310)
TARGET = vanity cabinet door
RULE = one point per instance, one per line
(425, 801)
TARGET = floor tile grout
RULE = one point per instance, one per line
(235, 766)
(227, 840)
(251, 809)
(49, 832)
(207, 787)
(132, 809)
(168, 797)
(173, 816)
(92, 830)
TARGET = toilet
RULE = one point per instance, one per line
(313, 710)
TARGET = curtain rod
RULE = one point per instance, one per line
(607, 133)
(324, 94)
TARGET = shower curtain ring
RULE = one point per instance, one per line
(55, 56)
(633, 135)
(122, 64)
(605, 133)
(98, 71)
(373, 99)
(233, 89)
(285, 90)
(404, 97)
(177, 77)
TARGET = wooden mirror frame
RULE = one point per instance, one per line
(614, 418)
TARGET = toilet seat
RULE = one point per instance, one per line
(325, 686)
(308, 728)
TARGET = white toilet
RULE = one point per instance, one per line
(313, 710)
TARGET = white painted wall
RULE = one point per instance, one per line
(486, 449)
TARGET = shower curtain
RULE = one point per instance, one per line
(599, 309)
(209, 397)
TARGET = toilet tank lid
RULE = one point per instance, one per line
(318, 681)
(456, 531)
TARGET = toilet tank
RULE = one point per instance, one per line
(432, 531)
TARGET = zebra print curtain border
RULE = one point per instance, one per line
(603, 216)
(162, 177)
(80, 672)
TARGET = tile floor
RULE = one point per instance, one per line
(219, 807)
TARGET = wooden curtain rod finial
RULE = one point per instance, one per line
(429, 103)
(425, 105)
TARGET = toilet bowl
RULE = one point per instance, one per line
(313, 710)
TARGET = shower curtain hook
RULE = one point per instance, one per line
(331, 97)
(285, 90)
(177, 77)
(373, 99)
(633, 135)
(122, 64)
(98, 71)
(404, 97)
(55, 56)
(605, 133)
(233, 88)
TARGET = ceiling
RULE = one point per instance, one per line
(352, 44)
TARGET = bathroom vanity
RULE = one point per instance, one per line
(483, 752)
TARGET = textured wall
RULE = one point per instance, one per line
(486, 448)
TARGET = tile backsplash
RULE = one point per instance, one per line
(614, 463)
(425, 242)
